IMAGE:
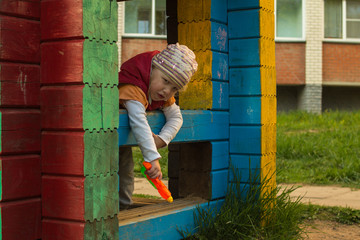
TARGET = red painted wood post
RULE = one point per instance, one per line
(20, 166)
(79, 106)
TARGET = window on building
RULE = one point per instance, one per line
(145, 18)
(342, 19)
(289, 19)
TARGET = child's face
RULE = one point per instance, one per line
(161, 88)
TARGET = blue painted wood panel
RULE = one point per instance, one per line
(244, 52)
(245, 81)
(165, 227)
(220, 95)
(219, 37)
(219, 183)
(220, 155)
(244, 164)
(241, 4)
(219, 11)
(220, 66)
(245, 110)
(196, 126)
(244, 24)
(245, 139)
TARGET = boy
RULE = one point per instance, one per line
(149, 81)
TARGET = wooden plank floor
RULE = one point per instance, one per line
(151, 208)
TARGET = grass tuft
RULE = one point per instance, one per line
(249, 212)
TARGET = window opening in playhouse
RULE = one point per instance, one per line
(188, 179)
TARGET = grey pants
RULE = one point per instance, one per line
(126, 177)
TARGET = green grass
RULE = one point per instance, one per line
(337, 214)
(319, 149)
(138, 159)
(248, 214)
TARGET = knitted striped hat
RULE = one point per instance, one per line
(177, 62)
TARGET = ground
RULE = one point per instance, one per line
(327, 230)
(325, 195)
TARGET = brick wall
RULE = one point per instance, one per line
(131, 47)
(341, 62)
(290, 63)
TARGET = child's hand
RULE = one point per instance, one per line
(155, 170)
(158, 141)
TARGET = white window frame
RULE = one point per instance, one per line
(344, 38)
(293, 39)
(144, 35)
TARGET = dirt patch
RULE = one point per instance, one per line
(328, 230)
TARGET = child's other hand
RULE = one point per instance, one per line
(158, 141)
(155, 170)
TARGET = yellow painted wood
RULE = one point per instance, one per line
(267, 23)
(268, 109)
(195, 35)
(198, 95)
(267, 4)
(194, 11)
(267, 52)
(204, 60)
(268, 80)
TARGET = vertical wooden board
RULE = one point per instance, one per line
(27, 9)
(59, 230)
(244, 24)
(189, 11)
(100, 20)
(21, 219)
(198, 95)
(268, 140)
(219, 37)
(205, 66)
(219, 183)
(63, 197)
(101, 197)
(20, 176)
(92, 108)
(103, 229)
(244, 52)
(19, 85)
(20, 131)
(267, 23)
(220, 66)
(219, 11)
(245, 81)
(62, 107)
(110, 107)
(267, 52)
(19, 40)
(62, 62)
(245, 110)
(62, 152)
(61, 19)
(195, 35)
(268, 80)
(220, 95)
(245, 139)
(101, 152)
(100, 61)
(247, 168)
(220, 155)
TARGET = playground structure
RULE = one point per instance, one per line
(60, 123)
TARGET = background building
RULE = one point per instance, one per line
(317, 48)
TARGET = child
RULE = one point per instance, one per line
(149, 81)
